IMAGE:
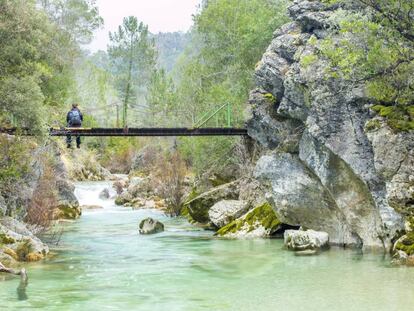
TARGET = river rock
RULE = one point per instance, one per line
(260, 222)
(68, 204)
(299, 240)
(150, 226)
(105, 194)
(224, 212)
(199, 206)
(123, 198)
(18, 242)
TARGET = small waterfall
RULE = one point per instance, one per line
(88, 194)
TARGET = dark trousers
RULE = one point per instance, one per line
(69, 137)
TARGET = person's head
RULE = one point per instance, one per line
(75, 105)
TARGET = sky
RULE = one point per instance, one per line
(159, 15)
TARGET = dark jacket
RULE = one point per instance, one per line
(69, 114)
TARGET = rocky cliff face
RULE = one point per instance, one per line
(324, 166)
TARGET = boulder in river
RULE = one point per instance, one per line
(300, 240)
(225, 211)
(258, 223)
(105, 194)
(150, 226)
(199, 206)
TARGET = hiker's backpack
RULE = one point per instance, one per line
(75, 117)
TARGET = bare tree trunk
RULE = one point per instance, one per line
(22, 272)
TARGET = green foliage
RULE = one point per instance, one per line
(36, 74)
(170, 45)
(229, 37)
(14, 163)
(202, 153)
(399, 117)
(375, 46)
(77, 18)
(308, 60)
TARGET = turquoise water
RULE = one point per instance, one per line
(102, 263)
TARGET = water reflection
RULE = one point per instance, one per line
(21, 290)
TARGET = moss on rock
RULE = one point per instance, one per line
(399, 117)
(261, 216)
(406, 244)
(5, 239)
(69, 212)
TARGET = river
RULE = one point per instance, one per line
(102, 263)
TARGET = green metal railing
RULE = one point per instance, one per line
(215, 113)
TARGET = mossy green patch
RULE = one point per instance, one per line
(5, 239)
(68, 212)
(308, 60)
(23, 249)
(262, 215)
(270, 97)
(372, 125)
(406, 244)
(399, 117)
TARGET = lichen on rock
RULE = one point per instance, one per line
(259, 222)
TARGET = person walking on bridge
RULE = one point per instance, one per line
(74, 119)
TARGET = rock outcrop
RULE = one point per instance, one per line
(150, 226)
(325, 165)
(68, 205)
(82, 165)
(18, 243)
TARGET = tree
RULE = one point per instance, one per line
(162, 99)
(228, 38)
(24, 31)
(134, 57)
(77, 18)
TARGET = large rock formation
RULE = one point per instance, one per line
(325, 166)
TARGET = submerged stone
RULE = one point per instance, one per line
(150, 226)
(105, 194)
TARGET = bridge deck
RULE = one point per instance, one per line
(143, 132)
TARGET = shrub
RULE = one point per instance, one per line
(169, 175)
(40, 211)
